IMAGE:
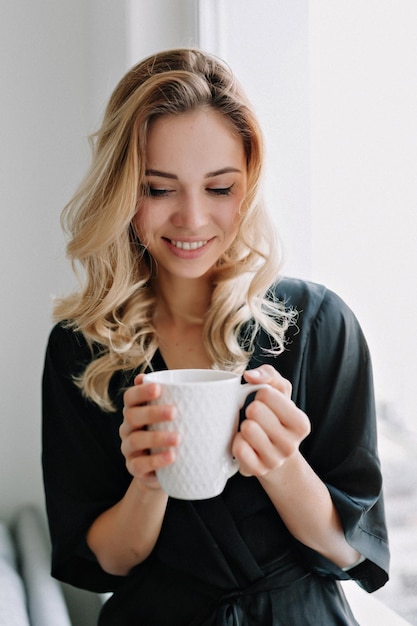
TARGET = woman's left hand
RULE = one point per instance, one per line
(267, 446)
(274, 426)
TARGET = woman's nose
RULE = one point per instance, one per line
(190, 212)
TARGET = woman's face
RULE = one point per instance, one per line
(196, 180)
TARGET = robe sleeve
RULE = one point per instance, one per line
(82, 466)
(336, 391)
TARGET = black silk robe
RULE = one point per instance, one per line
(229, 559)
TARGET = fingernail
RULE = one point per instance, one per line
(170, 412)
(172, 439)
(156, 390)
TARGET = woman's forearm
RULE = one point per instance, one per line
(125, 534)
(304, 504)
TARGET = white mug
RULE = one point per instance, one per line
(208, 404)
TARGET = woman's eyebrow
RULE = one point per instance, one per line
(223, 170)
(161, 174)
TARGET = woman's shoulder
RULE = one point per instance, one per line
(309, 299)
(63, 334)
(67, 348)
(294, 292)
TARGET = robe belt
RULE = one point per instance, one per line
(230, 609)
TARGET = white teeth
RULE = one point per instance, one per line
(188, 245)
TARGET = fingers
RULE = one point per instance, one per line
(146, 450)
(277, 414)
(274, 427)
(140, 393)
(142, 441)
(144, 466)
(268, 375)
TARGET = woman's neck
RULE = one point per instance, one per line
(182, 302)
(180, 312)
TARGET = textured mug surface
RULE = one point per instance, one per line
(208, 404)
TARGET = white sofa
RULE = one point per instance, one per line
(29, 596)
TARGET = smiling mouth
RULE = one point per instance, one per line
(188, 245)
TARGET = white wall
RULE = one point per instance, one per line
(43, 114)
(363, 57)
(160, 24)
(59, 61)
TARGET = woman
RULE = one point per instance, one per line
(180, 271)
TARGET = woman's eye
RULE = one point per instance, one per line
(221, 191)
(155, 192)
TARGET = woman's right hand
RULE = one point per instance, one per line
(125, 534)
(138, 442)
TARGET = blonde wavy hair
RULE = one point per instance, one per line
(114, 306)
